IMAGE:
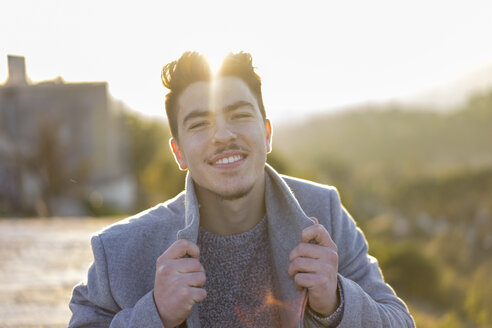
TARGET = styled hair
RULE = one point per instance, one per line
(176, 76)
(193, 67)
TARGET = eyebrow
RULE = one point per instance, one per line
(229, 108)
(196, 113)
(237, 105)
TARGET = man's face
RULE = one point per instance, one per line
(222, 137)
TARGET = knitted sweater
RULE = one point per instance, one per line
(239, 281)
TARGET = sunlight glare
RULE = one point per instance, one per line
(214, 59)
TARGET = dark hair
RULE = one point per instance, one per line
(193, 67)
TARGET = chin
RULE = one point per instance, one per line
(238, 193)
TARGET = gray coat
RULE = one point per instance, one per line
(118, 291)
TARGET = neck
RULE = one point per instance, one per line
(227, 217)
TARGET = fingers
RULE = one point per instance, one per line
(198, 294)
(181, 248)
(180, 266)
(174, 309)
(181, 271)
(194, 279)
(313, 262)
(191, 286)
(318, 234)
(191, 295)
(188, 265)
(179, 281)
(314, 251)
(307, 265)
(309, 280)
(314, 267)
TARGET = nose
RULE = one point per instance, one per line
(223, 132)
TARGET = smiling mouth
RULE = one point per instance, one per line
(229, 160)
(228, 157)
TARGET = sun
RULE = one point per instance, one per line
(214, 61)
(216, 54)
(214, 57)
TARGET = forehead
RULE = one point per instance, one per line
(214, 95)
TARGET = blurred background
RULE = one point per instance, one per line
(389, 102)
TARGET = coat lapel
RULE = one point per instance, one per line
(192, 215)
(286, 220)
(190, 232)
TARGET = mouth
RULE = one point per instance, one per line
(228, 159)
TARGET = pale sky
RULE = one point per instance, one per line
(311, 55)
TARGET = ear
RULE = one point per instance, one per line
(268, 135)
(177, 154)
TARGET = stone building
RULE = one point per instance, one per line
(62, 147)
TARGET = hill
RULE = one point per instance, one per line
(455, 92)
(406, 141)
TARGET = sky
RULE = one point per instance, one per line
(311, 55)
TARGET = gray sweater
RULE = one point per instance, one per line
(118, 290)
(239, 279)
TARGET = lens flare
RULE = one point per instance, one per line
(290, 311)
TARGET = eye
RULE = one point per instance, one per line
(198, 125)
(241, 115)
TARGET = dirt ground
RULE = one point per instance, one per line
(40, 262)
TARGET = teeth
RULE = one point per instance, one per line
(230, 159)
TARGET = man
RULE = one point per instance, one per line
(242, 246)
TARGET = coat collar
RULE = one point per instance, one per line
(286, 220)
(192, 214)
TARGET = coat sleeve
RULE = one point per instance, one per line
(368, 300)
(93, 305)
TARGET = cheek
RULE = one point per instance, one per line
(194, 148)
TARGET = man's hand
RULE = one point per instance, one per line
(314, 266)
(178, 282)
